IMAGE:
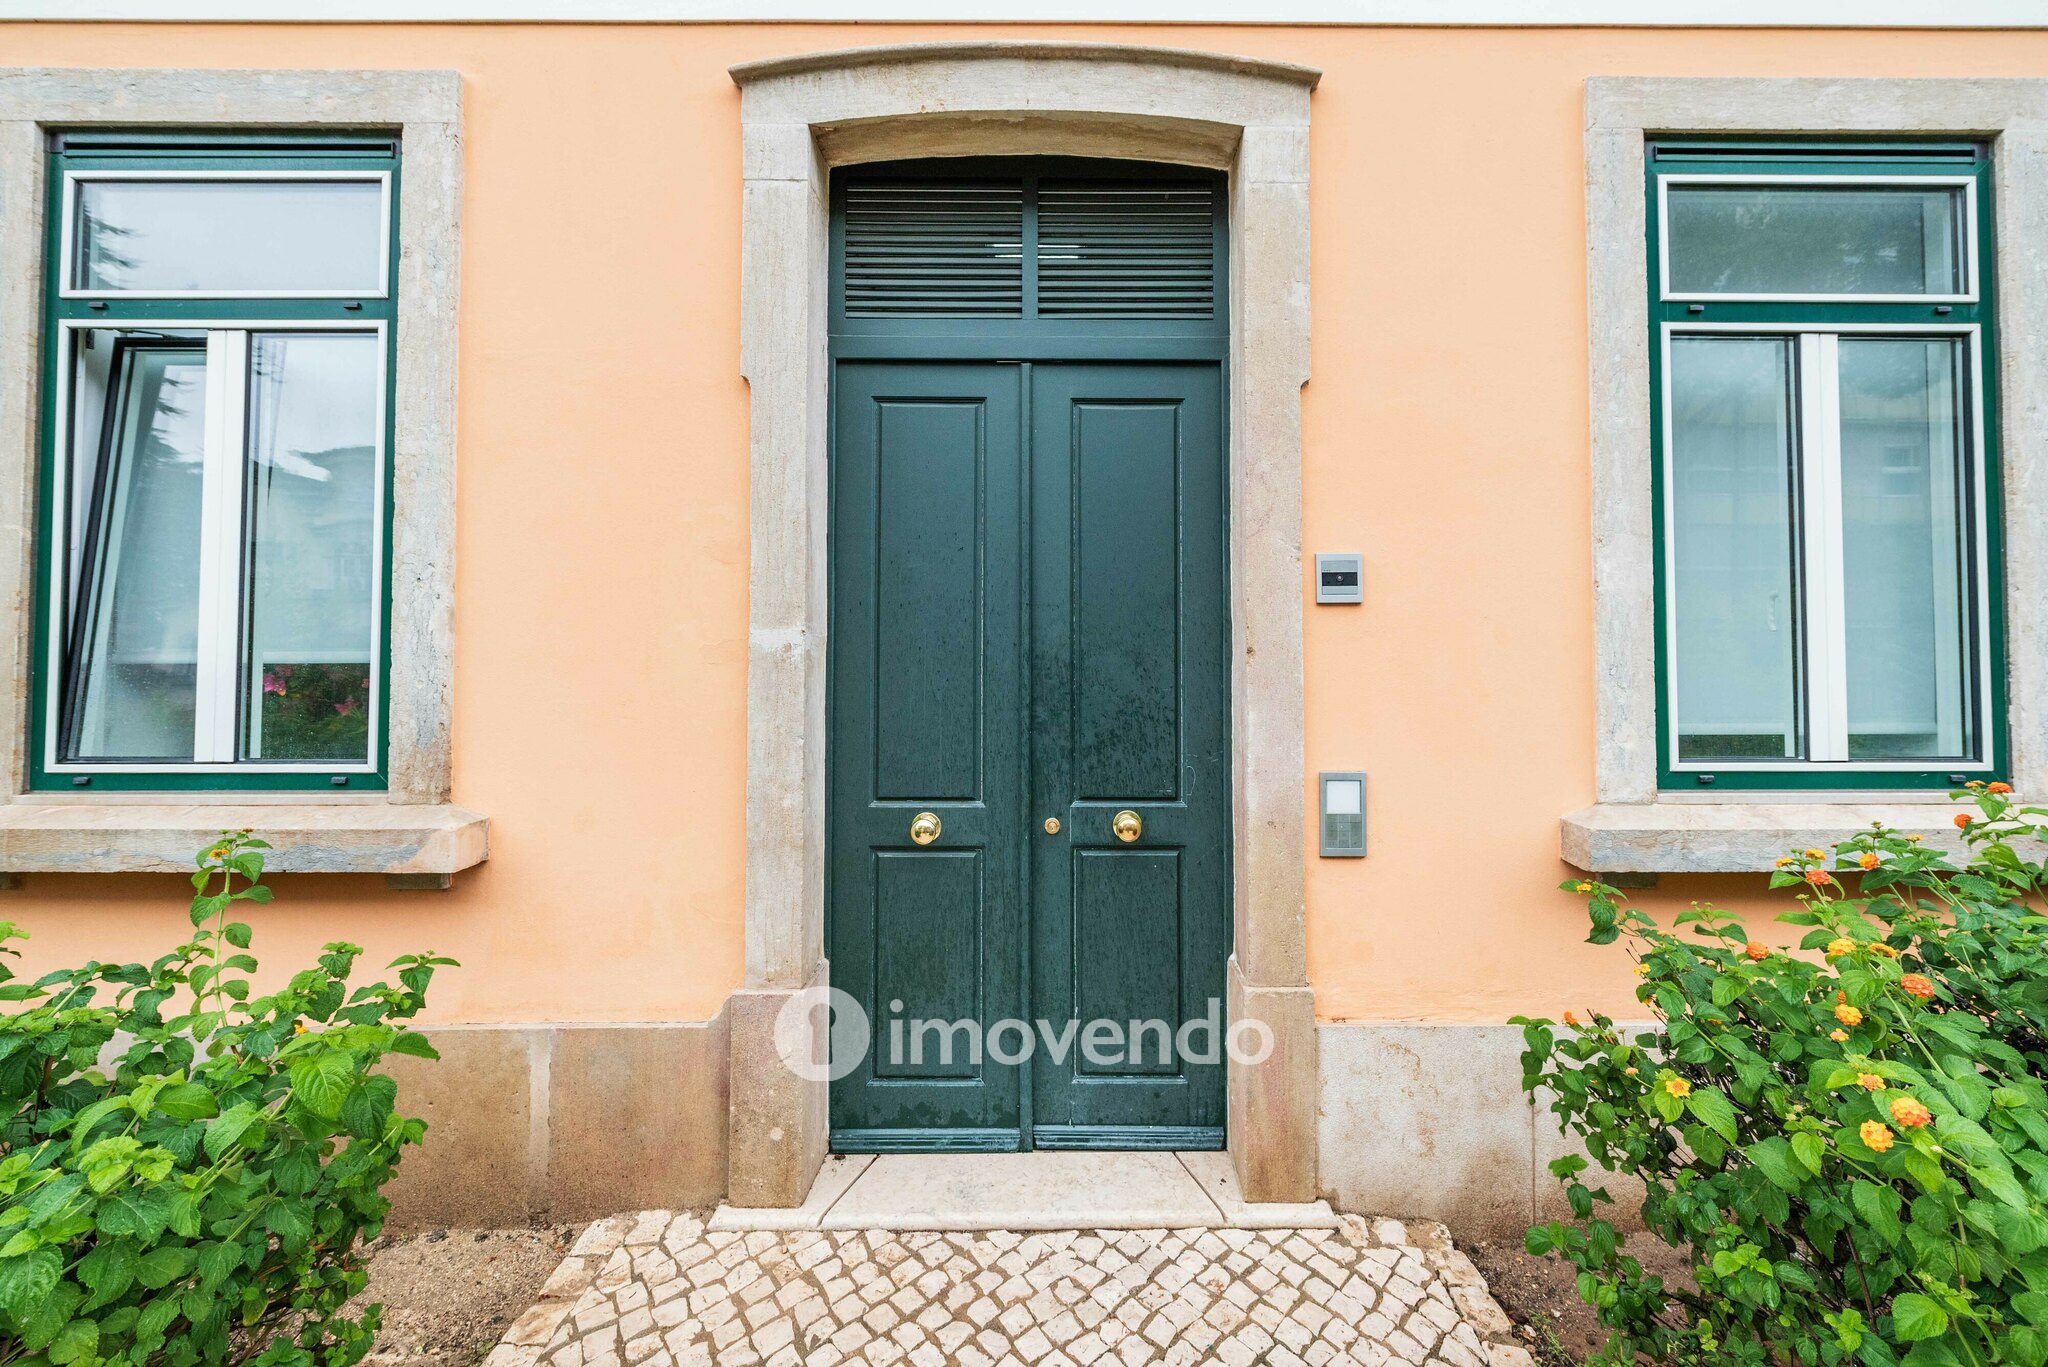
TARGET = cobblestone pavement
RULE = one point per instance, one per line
(658, 1288)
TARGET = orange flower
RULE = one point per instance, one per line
(1757, 952)
(1820, 878)
(1963, 820)
(1877, 1138)
(1628, 1072)
(1816, 854)
(1913, 985)
(1869, 860)
(1678, 1086)
(1870, 1082)
(1909, 1114)
(1837, 948)
(1839, 1036)
(1848, 1015)
(1998, 787)
(1571, 1018)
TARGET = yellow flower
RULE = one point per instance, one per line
(1816, 854)
(1837, 948)
(1869, 860)
(1916, 837)
(1848, 1015)
(298, 1027)
(1785, 861)
(1585, 887)
(1642, 970)
(1877, 1138)
(1882, 948)
(1839, 1036)
(1870, 1082)
(1678, 1086)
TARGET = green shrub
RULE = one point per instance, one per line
(1851, 1146)
(206, 1198)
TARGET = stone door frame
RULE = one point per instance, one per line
(800, 116)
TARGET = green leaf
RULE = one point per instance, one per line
(1773, 1157)
(1808, 1149)
(323, 1081)
(27, 1281)
(75, 1341)
(414, 1043)
(1915, 1317)
(223, 1133)
(1879, 1207)
(162, 1266)
(188, 1101)
(1710, 1105)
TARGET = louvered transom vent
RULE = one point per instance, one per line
(1109, 249)
(929, 248)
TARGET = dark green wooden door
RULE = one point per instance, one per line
(1028, 627)
(927, 674)
(1129, 695)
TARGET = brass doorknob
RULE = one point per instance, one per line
(1127, 825)
(1052, 825)
(924, 827)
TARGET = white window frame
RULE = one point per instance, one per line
(1968, 246)
(1823, 663)
(217, 689)
(68, 232)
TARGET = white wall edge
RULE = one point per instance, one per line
(1872, 14)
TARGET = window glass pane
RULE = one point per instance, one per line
(134, 646)
(1905, 510)
(310, 513)
(1735, 612)
(1813, 239)
(229, 236)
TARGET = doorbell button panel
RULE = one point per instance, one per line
(1343, 815)
(1340, 577)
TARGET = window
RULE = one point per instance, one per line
(213, 587)
(1824, 473)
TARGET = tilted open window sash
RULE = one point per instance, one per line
(216, 496)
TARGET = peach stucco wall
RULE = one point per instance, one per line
(601, 595)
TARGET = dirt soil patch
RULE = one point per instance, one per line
(1541, 1295)
(450, 1294)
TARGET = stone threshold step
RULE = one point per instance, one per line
(1028, 1191)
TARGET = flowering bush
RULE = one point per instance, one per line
(205, 1198)
(1850, 1144)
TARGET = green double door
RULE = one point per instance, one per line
(1029, 650)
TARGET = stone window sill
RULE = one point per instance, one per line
(1732, 837)
(414, 846)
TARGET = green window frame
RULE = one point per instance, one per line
(267, 556)
(1792, 466)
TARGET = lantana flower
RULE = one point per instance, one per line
(1848, 1015)
(1914, 985)
(1870, 1082)
(1678, 1087)
(1877, 1138)
(1909, 1114)
(1820, 878)
(1757, 951)
(1869, 860)
(1838, 947)
(1839, 1036)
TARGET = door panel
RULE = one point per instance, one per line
(1129, 699)
(925, 670)
(1028, 599)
